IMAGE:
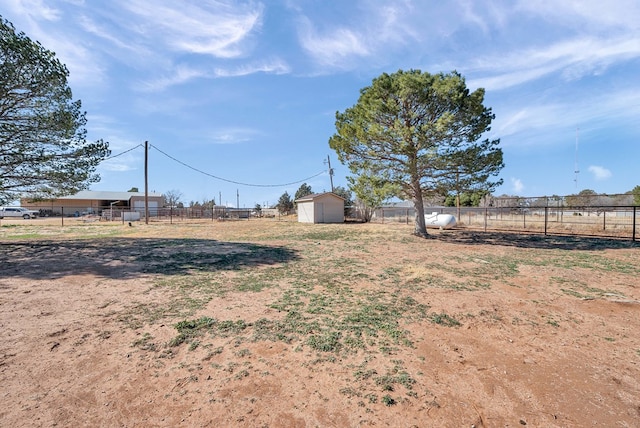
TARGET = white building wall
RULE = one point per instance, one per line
(331, 211)
(306, 212)
(325, 208)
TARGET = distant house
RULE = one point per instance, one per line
(321, 208)
(94, 202)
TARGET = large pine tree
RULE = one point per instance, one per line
(43, 150)
(421, 133)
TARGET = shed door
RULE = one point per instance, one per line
(319, 212)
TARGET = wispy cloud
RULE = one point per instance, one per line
(517, 185)
(573, 59)
(118, 165)
(183, 74)
(126, 155)
(370, 33)
(106, 33)
(231, 135)
(599, 173)
(596, 14)
(179, 75)
(216, 29)
(334, 46)
(83, 64)
(34, 9)
(538, 118)
(272, 66)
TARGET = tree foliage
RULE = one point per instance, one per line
(371, 192)
(584, 198)
(172, 198)
(208, 203)
(285, 204)
(303, 191)
(421, 132)
(43, 150)
(636, 195)
(466, 199)
(345, 194)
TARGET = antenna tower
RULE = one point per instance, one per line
(576, 171)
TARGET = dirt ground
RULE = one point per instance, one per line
(514, 330)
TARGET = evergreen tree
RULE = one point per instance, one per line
(43, 151)
(421, 133)
(285, 204)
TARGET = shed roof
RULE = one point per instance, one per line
(107, 195)
(314, 196)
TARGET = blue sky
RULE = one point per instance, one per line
(246, 91)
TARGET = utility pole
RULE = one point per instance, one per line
(237, 199)
(330, 172)
(146, 182)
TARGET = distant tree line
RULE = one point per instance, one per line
(585, 199)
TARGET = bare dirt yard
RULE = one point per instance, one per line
(269, 323)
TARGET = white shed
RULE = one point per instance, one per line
(321, 208)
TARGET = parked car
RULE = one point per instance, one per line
(17, 212)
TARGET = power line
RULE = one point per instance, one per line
(232, 181)
(126, 151)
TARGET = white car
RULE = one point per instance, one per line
(17, 212)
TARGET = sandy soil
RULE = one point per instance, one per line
(85, 327)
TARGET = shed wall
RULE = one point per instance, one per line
(306, 212)
(323, 209)
(329, 210)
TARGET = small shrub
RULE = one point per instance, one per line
(388, 400)
(444, 319)
(328, 342)
(188, 329)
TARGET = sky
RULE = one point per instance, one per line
(237, 99)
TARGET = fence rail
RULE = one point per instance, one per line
(125, 214)
(602, 221)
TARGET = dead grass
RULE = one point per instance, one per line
(266, 323)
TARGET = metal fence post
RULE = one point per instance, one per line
(546, 215)
(486, 211)
(633, 232)
(62, 216)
